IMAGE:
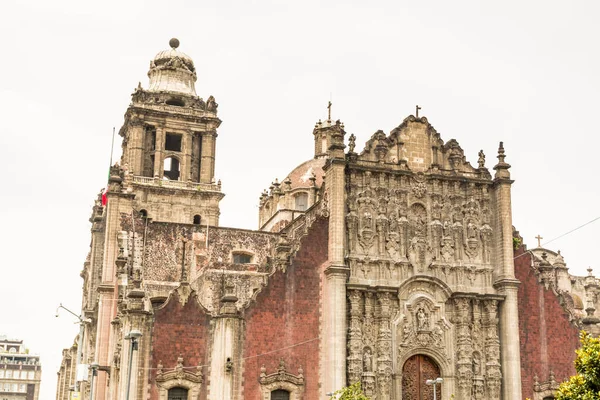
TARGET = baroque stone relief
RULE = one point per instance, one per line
(399, 226)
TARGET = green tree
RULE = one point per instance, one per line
(586, 384)
(352, 392)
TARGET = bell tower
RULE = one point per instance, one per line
(169, 141)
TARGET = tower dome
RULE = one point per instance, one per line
(172, 71)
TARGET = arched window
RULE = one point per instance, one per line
(280, 394)
(171, 168)
(143, 213)
(178, 393)
(301, 200)
(197, 219)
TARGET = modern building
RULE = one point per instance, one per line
(20, 372)
(390, 265)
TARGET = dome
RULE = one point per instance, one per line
(172, 71)
(300, 176)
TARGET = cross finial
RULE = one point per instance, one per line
(539, 238)
(329, 111)
(418, 108)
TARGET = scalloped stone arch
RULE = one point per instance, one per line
(192, 387)
(295, 390)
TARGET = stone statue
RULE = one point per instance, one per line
(368, 360)
(352, 143)
(422, 319)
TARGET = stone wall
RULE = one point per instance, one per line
(283, 322)
(548, 338)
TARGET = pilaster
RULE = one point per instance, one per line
(207, 163)
(505, 281)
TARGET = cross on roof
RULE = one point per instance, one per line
(418, 108)
(539, 238)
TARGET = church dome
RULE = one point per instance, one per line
(299, 178)
(172, 71)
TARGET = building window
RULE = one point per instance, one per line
(280, 395)
(197, 219)
(178, 393)
(9, 373)
(242, 258)
(301, 200)
(22, 388)
(173, 142)
(31, 374)
(1, 373)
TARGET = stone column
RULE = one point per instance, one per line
(159, 152)
(186, 156)
(226, 365)
(333, 335)
(355, 362)
(135, 133)
(384, 347)
(464, 347)
(505, 281)
(207, 163)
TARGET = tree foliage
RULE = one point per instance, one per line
(352, 392)
(586, 384)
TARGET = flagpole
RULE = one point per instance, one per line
(112, 148)
(104, 198)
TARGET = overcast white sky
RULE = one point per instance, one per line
(525, 72)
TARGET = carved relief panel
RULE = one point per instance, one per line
(402, 225)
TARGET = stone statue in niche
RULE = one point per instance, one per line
(366, 234)
(437, 232)
(352, 226)
(422, 319)
(447, 250)
(393, 239)
(368, 360)
(476, 364)
(382, 233)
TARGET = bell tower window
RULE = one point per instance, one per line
(197, 219)
(173, 142)
(171, 168)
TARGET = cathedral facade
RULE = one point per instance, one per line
(392, 266)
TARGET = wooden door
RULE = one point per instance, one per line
(415, 372)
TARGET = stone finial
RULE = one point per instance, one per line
(159, 367)
(174, 43)
(590, 270)
(502, 167)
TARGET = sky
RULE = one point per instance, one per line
(522, 72)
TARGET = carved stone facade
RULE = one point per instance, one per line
(422, 232)
(390, 267)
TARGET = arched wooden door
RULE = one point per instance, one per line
(415, 372)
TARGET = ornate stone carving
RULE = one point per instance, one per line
(179, 376)
(281, 379)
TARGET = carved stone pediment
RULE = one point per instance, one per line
(281, 379)
(190, 378)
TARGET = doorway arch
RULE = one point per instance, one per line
(415, 371)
